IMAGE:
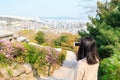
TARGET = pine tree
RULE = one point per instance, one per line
(105, 28)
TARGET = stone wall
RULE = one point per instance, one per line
(17, 72)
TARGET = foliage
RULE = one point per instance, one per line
(105, 28)
(31, 53)
(110, 67)
(10, 50)
(66, 40)
(18, 49)
(35, 56)
(51, 57)
(60, 40)
(41, 59)
(62, 56)
(3, 59)
(40, 37)
(69, 44)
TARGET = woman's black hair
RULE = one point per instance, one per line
(88, 50)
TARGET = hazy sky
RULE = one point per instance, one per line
(48, 8)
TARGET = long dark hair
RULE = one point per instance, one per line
(88, 50)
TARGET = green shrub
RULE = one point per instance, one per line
(32, 53)
(36, 56)
(42, 59)
(60, 40)
(41, 64)
(3, 59)
(62, 56)
(57, 42)
(40, 37)
(109, 68)
(64, 38)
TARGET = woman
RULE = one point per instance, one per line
(88, 60)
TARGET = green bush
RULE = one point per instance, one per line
(109, 68)
(31, 53)
(40, 37)
(60, 40)
(41, 64)
(36, 56)
(57, 42)
(66, 40)
(62, 56)
(42, 59)
(3, 59)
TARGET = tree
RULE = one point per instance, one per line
(105, 28)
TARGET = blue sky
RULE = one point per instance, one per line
(48, 8)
